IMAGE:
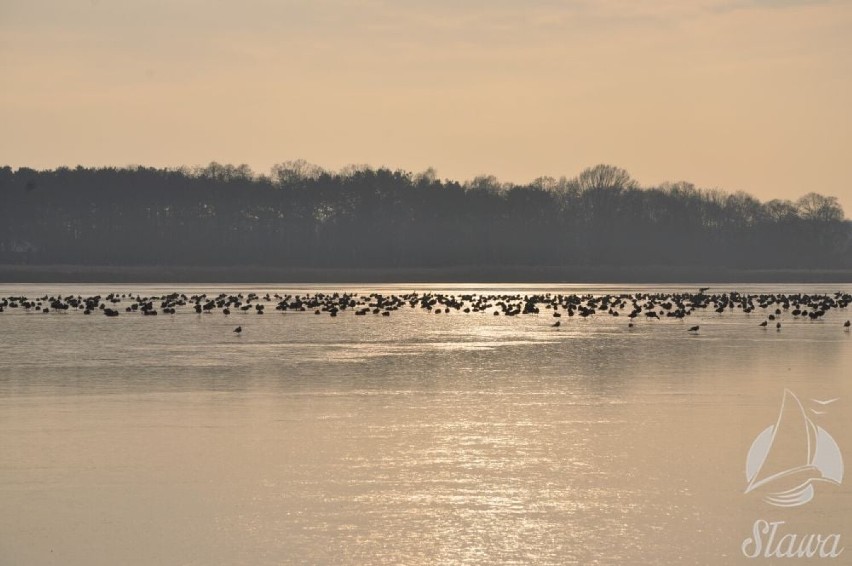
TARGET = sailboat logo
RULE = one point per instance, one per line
(788, 458)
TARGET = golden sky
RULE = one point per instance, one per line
(749, 95)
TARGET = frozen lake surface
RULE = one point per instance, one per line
(414, 438)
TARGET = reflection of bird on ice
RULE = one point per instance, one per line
(788, 457)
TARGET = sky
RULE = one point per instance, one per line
(750, 95)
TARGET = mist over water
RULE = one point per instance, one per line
(413, 438)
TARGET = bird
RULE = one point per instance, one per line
(630, 325)
(777, 326)
(847, 324)
(238, 329)
(693, 329)
(701, 290)
(764, 323)
(556, 324)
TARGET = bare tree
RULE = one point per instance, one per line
(293, 171)
(605, 177)
(818, 207)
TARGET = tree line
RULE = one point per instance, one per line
(301, 215)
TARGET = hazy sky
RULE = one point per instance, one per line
(751, 95)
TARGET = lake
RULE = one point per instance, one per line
(413, 438)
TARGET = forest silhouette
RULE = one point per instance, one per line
(303, 216)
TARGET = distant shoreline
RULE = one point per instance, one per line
(457, 274)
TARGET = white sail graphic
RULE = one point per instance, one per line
(787, 458)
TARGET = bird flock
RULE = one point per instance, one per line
(632, 306)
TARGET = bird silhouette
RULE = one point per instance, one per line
(847, 324)
(693, 329)
(557, 324)
(777, 326)
(764, 323)
(238, 329)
